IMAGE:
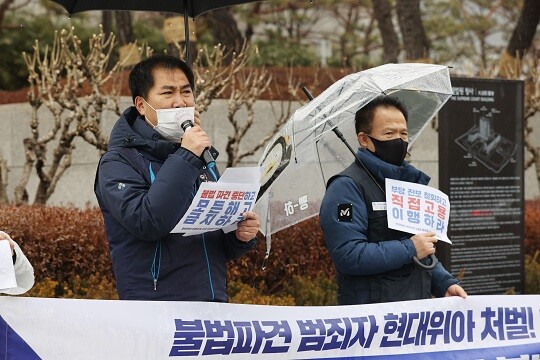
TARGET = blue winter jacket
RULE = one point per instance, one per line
(347, 242)
(140, 209)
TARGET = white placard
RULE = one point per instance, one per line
(7, 271)
(220, 205)
(417, 209)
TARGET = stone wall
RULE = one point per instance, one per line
(76, 185)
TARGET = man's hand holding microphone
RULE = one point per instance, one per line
(197, 141)
(195, 138)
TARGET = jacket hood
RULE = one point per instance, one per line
(382, 170)
(132, 131)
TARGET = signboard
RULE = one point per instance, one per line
(481, 170)
(416, 209)
(480, 327)
(220, 205)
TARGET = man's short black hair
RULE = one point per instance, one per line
(363, 120)
(141, 78)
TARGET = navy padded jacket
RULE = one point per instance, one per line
(347, 242)
(140, 209)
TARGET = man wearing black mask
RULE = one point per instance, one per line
(374, 263)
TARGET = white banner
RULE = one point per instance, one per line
(479, 327)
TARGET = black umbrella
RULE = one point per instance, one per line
(189, 8)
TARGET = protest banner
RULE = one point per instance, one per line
(480, 327)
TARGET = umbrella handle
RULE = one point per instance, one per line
(434, 262)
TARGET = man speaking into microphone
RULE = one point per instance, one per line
(156, 160)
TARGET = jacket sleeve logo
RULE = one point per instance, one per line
(345, 212)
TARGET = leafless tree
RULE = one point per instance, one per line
(532, 108)
(75, 87)
(213, 76)
(57, 79)
(415, 40)
(9, 5)
(528, 70)
(382, 10)
(107, 21)
(225, 31)
(124, 27)
(356, 29)
(245, 87)
(516, 63)
(295, 20)
(281, 111)
(522, 37)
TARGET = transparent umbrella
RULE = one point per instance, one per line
(306, 152)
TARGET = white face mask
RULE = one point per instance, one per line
(169, 121)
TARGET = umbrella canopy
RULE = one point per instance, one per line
(305, 153)
(189, 8)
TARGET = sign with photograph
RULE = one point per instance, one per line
(481, 170)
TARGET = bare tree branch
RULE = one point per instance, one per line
(4, 7)
(245, 90)
(285, 111)
(58, 79)
(213, 78)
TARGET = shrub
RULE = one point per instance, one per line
(67, 248)
(532, 228)
(321, 291)
(241, 293)
(300, 291)
(296, 251)
(75, 287)
(532, 273)
(69, 251)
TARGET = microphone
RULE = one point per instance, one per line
(206, 155)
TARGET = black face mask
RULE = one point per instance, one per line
(392, 151)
